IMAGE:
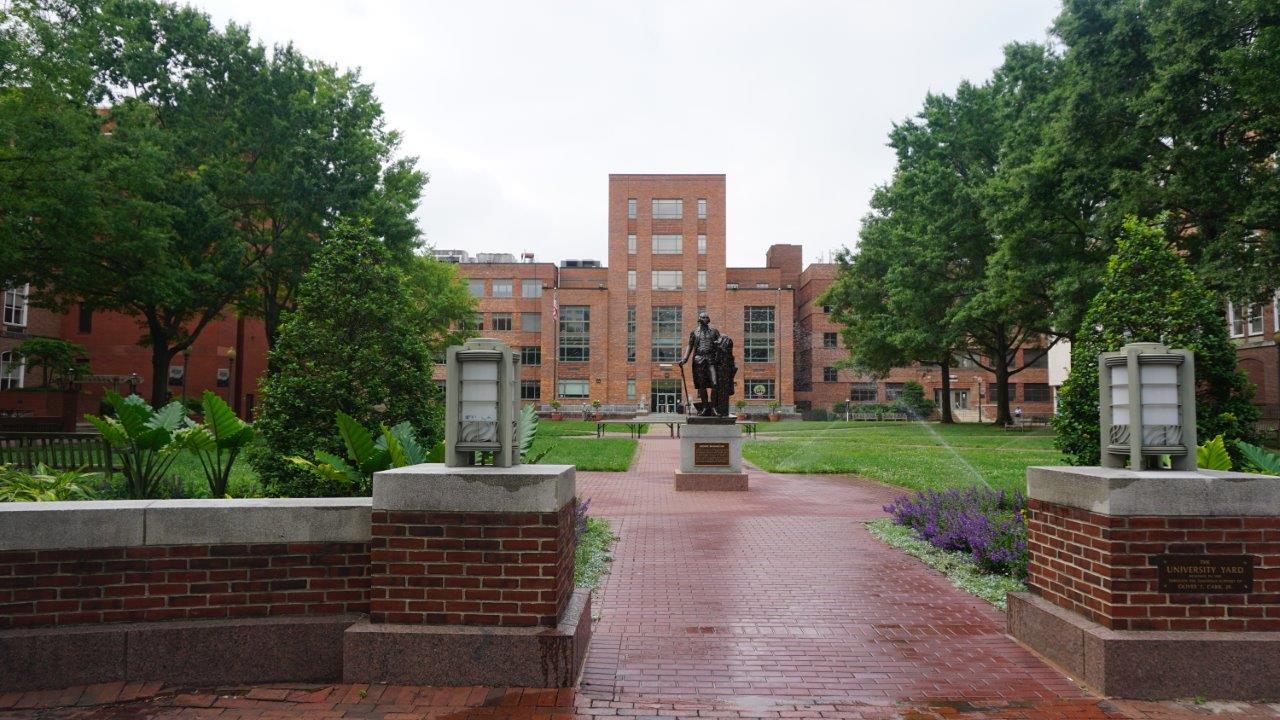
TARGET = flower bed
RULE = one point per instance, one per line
(987, 524)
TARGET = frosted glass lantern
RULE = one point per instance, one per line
(481, 418)
(1148, 406)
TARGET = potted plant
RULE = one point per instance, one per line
(742, 409)
(555, 410)
(773, 410)
(595, 404)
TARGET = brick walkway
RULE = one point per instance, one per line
(771, 603)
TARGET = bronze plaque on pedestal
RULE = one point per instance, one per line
(711, 454)
(1204, 574)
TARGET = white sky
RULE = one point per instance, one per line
(520, 110)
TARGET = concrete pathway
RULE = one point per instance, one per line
(771, 603)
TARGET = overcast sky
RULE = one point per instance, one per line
(520, 110)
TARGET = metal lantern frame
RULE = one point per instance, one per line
(482, 383)
(1147, 401)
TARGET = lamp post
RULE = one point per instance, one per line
(1147, 404)
(133, 380)
(481, 391)
(186, 360)
(231, 380)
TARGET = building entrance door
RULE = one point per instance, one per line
(959, 399)
(663, 395)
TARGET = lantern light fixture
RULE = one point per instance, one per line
(481, 391)
(1147, 404)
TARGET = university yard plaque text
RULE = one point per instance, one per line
(1203, 574)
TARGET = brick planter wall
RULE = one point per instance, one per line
(1102, 567)
(510, 569)
(181, 582)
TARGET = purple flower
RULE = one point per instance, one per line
(987, 524)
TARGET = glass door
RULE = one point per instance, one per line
(664, 395)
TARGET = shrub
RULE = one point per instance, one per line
(394, 447)
(912, 401)
(217, 442)
(146, 440)
(987, 524)
(44, 484)
(1149, 294)
(352, 346)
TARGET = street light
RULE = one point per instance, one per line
(1147, 406)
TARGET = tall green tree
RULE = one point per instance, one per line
(353, 345)
(1150, 294)
(442, 306)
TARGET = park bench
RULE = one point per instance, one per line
(60, 451)
(1026, 422)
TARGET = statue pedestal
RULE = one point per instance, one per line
(711, 455)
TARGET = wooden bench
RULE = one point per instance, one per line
(60, 451)
(1026, 422)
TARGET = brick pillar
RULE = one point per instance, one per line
(1100, 604)
(472, 579)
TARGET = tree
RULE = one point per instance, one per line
(60, 362)
(1150, 294)
(353, 345)
(442, 304)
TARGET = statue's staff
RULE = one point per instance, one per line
(684, 389)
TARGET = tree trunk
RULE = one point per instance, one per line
(161, 356)
(270, 317)
(1002, 388)
(946, 393)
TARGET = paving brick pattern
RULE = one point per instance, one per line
(182, 582)
(472, 568)
(769, 604)
(1102, 567)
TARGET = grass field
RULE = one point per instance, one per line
(587, 453)
(908, 454)
(570, 428)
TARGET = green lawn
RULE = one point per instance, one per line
(911, 455)
(588, 453)
(569, 428)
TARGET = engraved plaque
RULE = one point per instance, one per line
(1204, 574)
(711, 454)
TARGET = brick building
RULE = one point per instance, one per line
(1255, 331)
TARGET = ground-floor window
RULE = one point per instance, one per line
(530, 390)
(1035, 392)
(664, 396)
(575, 388)
(760, 389)
(12, 370)
(863, 392)
(892, 391)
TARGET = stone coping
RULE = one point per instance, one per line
(1120, 492)
(435, 487)
(133, 523)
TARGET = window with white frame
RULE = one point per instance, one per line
(631, 244)
(12, 370)
(1234, 322)
(631, 279)
(668, 244)
(702, 279)
(667, 280)
(631, 208)
(759, 389)
(531, 288)
(672, 209)
(631, 389)
(575, 389)
(15, 306)
(476, 287)
(1255, 319)
(702, 208)
(702, 244)
(531, 322)
(500, 321)
(503, 288)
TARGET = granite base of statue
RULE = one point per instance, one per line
(711, 442)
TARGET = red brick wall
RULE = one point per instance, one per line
(472, 568)
(1102, 567)
(181, 582)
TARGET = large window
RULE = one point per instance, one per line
(829, 374)
(575, 333)
(530, 288)
(759, 389)
(631, 208)
(1255, 319)
(1036, 357)
(503, 288)
(15, 306)
(631, 389)
(1235, 321)
(829, 340)
(1035, 392)
(668, 332)
(530, 390)
(702, 279)
(668, 209)
(631, 334)
(531, 322)
(476, 287)
(575, 389)
(667, 280)
(863, 392)
(702, 208)
(531, 355)
(500, 321)
(631, 244)
(702, 244)
(758, 334)
(668, 244)
(12, 370)
(892, 391)
(631, 279)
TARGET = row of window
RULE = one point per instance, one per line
(667, 244)
(753, 389)
(759, 335)
(868, 391)
(666, 208)
(529, 322)
(666, 280)
(1250, 322)
(505, 288)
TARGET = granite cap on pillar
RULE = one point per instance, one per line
(1121, 492)
(439, 488)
